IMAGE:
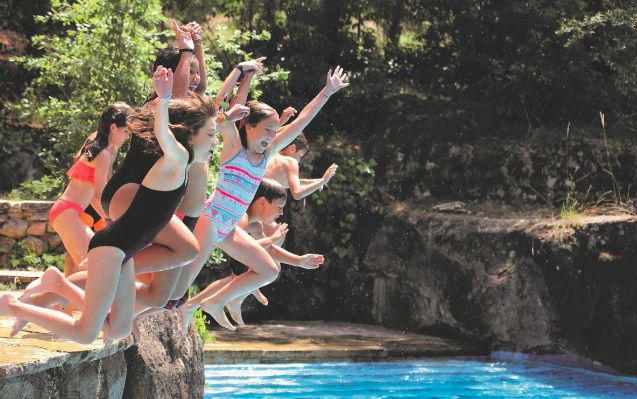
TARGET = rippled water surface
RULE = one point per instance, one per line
(413, 379)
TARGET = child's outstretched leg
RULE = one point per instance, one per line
(234, 308)
(54, 281)
(263, 270)
(101, 286)
(262, 299)
(120, 317)
(189, 308)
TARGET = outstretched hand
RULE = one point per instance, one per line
(311, 261)
(194, 29)
(329, 173)
(184, 39)
(252, 66)
(163, 82)
(335, 81)
(286, 115)
(238, 112)
(279, 232)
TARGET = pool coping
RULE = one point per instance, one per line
(321, 341)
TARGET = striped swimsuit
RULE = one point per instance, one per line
(237, 184)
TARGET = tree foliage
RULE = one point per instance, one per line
(100, 55)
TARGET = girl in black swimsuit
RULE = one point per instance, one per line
(110, 287)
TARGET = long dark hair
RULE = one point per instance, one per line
(169, 59)
(186, 116)
(116, 113)
(258, 112)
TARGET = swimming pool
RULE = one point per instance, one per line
(445, 378)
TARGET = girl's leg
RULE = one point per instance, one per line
(54, 281)
(119, 323)
(69, 265)
(234, 308)
(189, 308)
(263, 270)
(49, 298)
(42, 300)
(206, 235)
(174, 246)
(101, 285)
(74, 234)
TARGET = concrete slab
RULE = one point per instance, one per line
(36, 349)
(317, 341)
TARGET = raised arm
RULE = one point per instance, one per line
(244, 88)
(195, 33)
(186, 49)
(163, 84)
(228, 128)
(286, 115)
(334, 82)
(231, 80)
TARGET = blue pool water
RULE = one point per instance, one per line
(414, 379)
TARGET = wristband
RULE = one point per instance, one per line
(186, 50)
(323, 94)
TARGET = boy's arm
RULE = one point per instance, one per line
(307, 261)
(256, 231)
(286, 115)
(300, 189)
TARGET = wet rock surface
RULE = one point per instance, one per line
(518, 285)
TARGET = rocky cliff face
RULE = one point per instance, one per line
(165, 362)
(537, 286)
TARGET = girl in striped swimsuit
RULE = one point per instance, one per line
(243, 159)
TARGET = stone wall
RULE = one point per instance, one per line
(24, 225)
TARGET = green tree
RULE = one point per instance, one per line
(102, 55)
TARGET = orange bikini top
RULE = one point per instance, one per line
(82, 171)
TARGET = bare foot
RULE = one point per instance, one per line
(18, 325)
(260, 297)
(38, 300)
(216, 311)
(47, 283)
(185, 314)
(234, 308)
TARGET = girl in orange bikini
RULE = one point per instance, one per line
(88, 176)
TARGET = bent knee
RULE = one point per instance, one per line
(271, 273)
(87, 336)
(188, 251)
(121, 332)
